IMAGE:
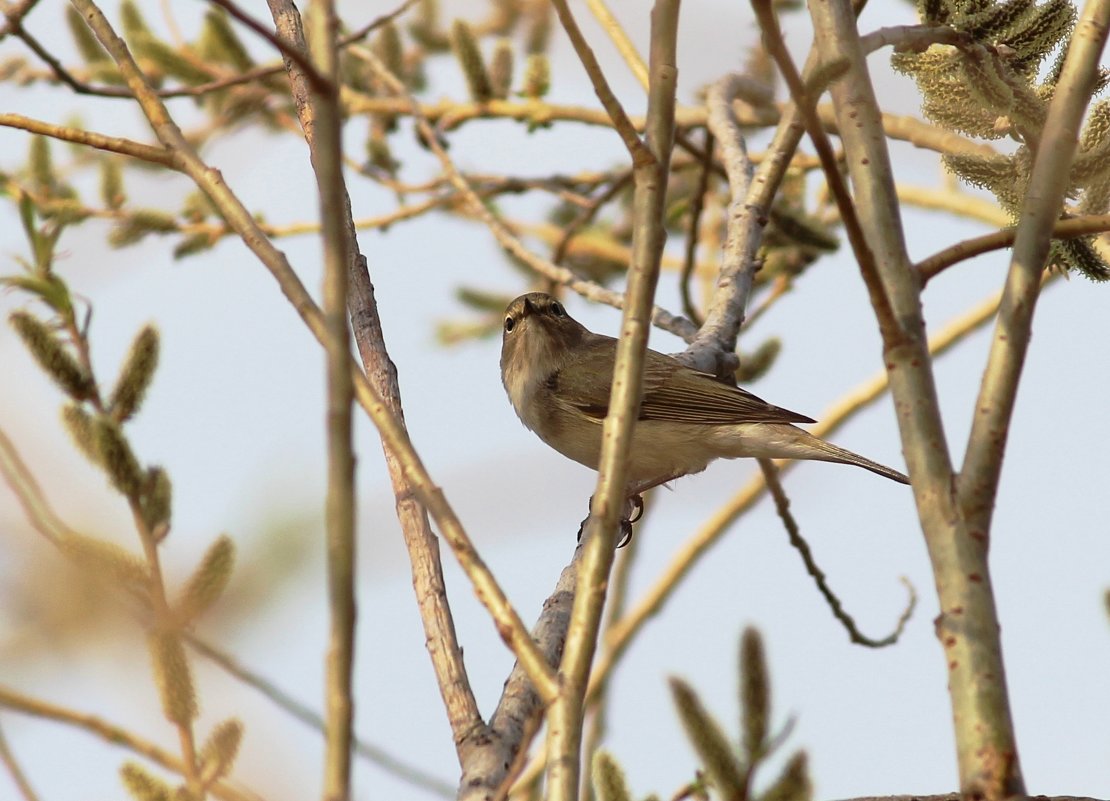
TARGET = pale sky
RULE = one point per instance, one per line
(236, 416)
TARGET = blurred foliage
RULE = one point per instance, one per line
(728, 771)
(60, 344)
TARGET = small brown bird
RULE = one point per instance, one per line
(558, 376)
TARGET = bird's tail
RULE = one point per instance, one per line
(834, 453)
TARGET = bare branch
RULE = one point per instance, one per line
(1070, 228)
(782, 506)
(565, 715)
(19, 778)
(772, 39)
(621, 123)
(620, 39)
(111, 144)
(509, 623)
(115, 735)
(1048, 185)
(320, 110)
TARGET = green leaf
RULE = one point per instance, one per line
(87, 44)
(103, 443)
(107, 558)
(174, 677)
(192, 244)
(220, 43)
(144, 785)
(134, 26)
(41, 164)
(501, 69)
(173, 61)
(135, 376)
(208, 581)
(755, 696)
(218, 753)
(537, 76)
(52, 355)
(793, 784)
(469, 55)
(608, 778)
(27, 216)
(111, 183)
(709, 741)
(156, 501)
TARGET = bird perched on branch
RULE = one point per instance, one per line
(558, 375)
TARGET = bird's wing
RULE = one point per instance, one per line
(671, 392)
(677, 393)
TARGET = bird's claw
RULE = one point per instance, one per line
(635, 507)
(626, 533)
(637, 504)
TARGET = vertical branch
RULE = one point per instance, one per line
(968, 625)
(420, 541)
(340, 520)
(1044, 200)
(417, 486)
(749, 209)
(712, 350)
(565, 716)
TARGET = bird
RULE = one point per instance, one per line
(558, 375)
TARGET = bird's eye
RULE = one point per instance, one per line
(510, 323)
(557, 310)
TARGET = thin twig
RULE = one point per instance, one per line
(772, 40)
(660, 317)
(46, 521)
(620, 39)
(111, 144)
(713, 349)
(323, 84)
(621, 123)
(254, 75)
(1048, 185)
(13, 16)
(422, 546)
(19, 778)
(115, 735)
(782, 506)
(326, 147)
(692, 233)
(587, 215)
(405, 771)
(1070, 228)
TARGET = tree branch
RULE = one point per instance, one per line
(968, 625)
(388, 424)
(1044, 199)
(115, 735)
(565, 716)
(112, 144)
(621, 123)
(320, 106)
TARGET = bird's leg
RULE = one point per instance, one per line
(633, 511)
